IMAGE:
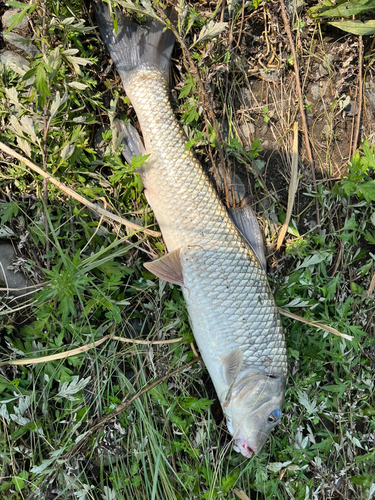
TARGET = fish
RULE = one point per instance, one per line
(232, 311)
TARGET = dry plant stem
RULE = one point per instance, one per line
(91, 345)
(241, 25)
(315, 324)
(300, 99)
(125, 403)
(69, 192)
(293, 185)
(205, 100)
(45, 131)
(240, 494)
(360, 95)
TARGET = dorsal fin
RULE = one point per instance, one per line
(246, 222)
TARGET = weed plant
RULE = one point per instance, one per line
(170, 443)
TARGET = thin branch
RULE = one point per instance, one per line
(360, 95)
(69, 192)
(300, 99)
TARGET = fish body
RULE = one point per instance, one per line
(232, 311)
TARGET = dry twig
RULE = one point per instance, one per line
(315, 324)
(360, 96)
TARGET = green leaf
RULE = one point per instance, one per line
(8, 210)
(367, 190)
(356, 27)
(196, 404)
(41, 85)
(349, 9)
(210, 30)
(18, 481)
(339, 389)
(17, 18)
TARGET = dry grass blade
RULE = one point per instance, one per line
(68, 191)
(315, 324)
(240, 494)
(292, 187)
(372, 286)
(54, 357)
(79, 350)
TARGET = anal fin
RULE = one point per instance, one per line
(168, 268)
(130, 138)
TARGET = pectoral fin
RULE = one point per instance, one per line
(232, 367)
(168, 268)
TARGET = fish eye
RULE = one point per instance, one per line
(274, 417)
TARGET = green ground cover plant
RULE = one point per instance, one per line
(171, 442)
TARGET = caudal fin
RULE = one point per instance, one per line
(134, 47)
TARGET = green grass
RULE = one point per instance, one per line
(167, 444)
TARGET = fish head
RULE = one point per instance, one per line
(254, 409)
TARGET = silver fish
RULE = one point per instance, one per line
(232, 311)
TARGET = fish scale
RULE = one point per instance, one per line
(232, 311)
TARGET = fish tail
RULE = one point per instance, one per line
(134, 47)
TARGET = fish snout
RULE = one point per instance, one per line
(242, 446)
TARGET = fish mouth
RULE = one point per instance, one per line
(242, 446)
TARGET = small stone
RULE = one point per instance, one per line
(271, 75)
(247, 131)
(11, 12)
(9, 277)
(315, 91)
(245, 98)
(322, 70)
(21, 43)
(98, 141)
(351, 109)
(14, 61)
(264, 130)
(294, 7)
(370, 94)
